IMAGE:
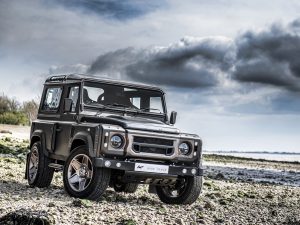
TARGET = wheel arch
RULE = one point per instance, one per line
(38, 135)
(82, 138)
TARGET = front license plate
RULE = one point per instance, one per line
(151, 168)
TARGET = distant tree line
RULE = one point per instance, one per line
(17, 113)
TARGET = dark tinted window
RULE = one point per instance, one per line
(123, 97)
(52, 98)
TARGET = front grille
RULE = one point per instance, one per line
(149, 140)
(153, 145)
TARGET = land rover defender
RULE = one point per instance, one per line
(103, 132)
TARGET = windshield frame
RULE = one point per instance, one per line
(119, 109)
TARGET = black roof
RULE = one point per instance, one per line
(84, 77)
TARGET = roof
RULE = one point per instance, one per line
(64, 78)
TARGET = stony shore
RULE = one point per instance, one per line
(228, 197)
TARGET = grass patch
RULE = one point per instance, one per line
(10, 146)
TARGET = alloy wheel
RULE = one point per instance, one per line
(80, 172)
(176, 190)
(33, 163)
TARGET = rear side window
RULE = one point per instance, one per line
(52, 99)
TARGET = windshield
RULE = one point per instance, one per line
(113, 96)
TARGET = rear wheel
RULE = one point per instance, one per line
(125, 187)
(39, 174)
(185, 191)
(81, 178)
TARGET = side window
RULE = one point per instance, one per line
(136, 101)
(73, 94)
(52, 99)
(92, 95)
(156, 105)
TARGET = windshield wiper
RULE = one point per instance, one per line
(148, 109)
(118, 105)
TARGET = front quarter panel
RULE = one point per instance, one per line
(89, 134)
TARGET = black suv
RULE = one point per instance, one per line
(104, 133)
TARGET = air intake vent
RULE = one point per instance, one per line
(153, 145)
(155, 141)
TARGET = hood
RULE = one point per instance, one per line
(135, 123)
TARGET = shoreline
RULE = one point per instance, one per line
(239, 159)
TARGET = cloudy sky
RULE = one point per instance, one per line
(231, 68)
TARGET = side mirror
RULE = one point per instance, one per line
(173, 117)
(68, 105)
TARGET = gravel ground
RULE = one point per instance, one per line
(233, 193)
(222, 202)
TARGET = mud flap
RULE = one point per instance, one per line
(27, 162)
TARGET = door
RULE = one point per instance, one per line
(64, 128)
(49, 114)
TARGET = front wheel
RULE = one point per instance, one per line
(185, 191)
(81, 178)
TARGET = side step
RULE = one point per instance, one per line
(56, 166)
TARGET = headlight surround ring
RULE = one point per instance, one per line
(184, 148)
(116, 141)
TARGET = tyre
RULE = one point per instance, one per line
(125, 187)
(81, 178)
(39, 174)
(185, 191)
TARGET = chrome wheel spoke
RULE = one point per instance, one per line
(32, 170)
(85, 161)
(34, 159)
(33, 164)
(74, 178)
(82, 182)
(75, 164)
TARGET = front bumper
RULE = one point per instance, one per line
(130, 166)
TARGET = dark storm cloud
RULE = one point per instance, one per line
(125, 9)
(270, 57)
(190, 63)
(115, 61)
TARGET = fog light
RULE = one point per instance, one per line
(184, 171)
(105, 145)
(193, 171)
(195, 153)
(118, 164)
(107, 163)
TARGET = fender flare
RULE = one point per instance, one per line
(85, 137)
(39, 134)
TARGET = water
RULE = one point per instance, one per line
(290, 157)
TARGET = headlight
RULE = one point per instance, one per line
(116, 141)
(184, 148)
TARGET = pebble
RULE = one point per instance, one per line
(141, 207)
